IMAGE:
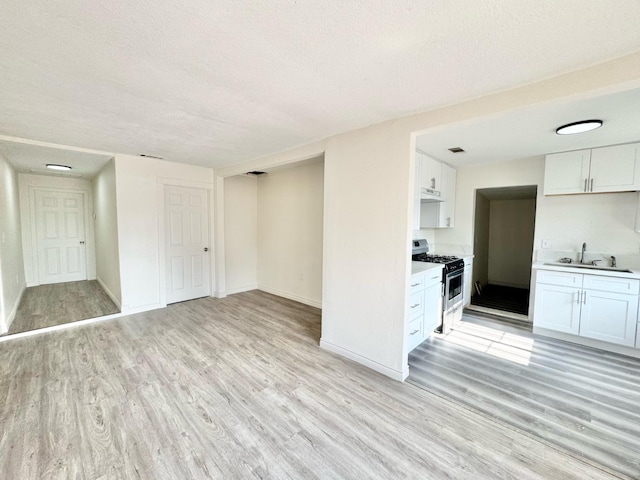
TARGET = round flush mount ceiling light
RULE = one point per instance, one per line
(54, 166)
(579, 127)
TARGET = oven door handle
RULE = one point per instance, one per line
(457, 273)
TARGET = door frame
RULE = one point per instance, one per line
(90, 246)
(162, 254)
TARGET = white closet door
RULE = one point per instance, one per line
(187, 243)
(60, 236)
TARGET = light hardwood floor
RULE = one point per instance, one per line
(60, 303)
(238, 388)
(584, 400)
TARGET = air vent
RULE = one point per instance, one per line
(256, 172)
(150, 156)
(456, 150)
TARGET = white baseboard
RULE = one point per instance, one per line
(219, 294)
(290, 296)
(589, 342)
(12, 314)
(373, 365)
(109, 293)
(246, 288)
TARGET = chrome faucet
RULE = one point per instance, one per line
(584, 247)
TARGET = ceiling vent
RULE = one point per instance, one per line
(456, 150)
(256, 173)
(150, 156)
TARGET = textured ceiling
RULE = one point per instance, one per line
(213, 83)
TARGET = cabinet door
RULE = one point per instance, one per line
(615, 169)
(448, 207)
(557, 308)
(610, 317)
(416, 192)
(468, 280)
(566, 172)
(431, 173)
(432, 308)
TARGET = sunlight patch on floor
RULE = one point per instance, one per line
(508, 346)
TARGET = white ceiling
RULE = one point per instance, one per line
(531, 132)
(213, 83)
(34, 158)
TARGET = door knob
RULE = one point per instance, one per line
(206, 249)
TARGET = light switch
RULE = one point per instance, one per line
(546, 243)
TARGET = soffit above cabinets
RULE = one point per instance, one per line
(530, 132)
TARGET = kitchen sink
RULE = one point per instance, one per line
(588, 266)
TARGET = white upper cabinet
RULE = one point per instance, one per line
(606, 169)
(431, 173)
(615, 169)
(566, 172)
(441, 214)
(417, 182)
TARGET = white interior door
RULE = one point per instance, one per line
(187, 243)
(60, 236)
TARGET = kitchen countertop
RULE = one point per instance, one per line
(418, 267)
(635, 273)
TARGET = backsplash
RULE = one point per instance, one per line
(630, 261)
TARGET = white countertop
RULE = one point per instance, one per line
(635, 273)
(418, 267)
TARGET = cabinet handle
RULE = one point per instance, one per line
(584, 297)
(448, 221)
(585, 185)
(415, 284)
(433, 183)
(414, 332)
(591, 190)
(436, 277)
(579, 292)
(416, 305)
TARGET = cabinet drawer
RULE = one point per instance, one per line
(416, 304)
(611, 284)
(417, 282)
(414, 335)
(433, 277)
(564, 279)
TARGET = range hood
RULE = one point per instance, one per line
(429, 195)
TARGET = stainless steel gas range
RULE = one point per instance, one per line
(452, 282)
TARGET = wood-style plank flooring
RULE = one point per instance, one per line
(60, 303)
(238, 388)
(584, 400)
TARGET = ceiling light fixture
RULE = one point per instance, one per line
(578, 127)
(54, 166)
(456, 150)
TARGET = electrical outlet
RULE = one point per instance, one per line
(546, 243)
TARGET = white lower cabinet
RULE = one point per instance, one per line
(610, 317)
(425, 297)
(591, 306)
(557, 308)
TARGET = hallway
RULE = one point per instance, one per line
(59, 303)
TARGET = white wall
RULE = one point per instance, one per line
(12, 282)
(481, 241)
(511, 229)
(290, 214)
(368, 202)
(140, 203)
(106, 231)
(241, 233)
(605, 221)
(503, 174)
(27, 183)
